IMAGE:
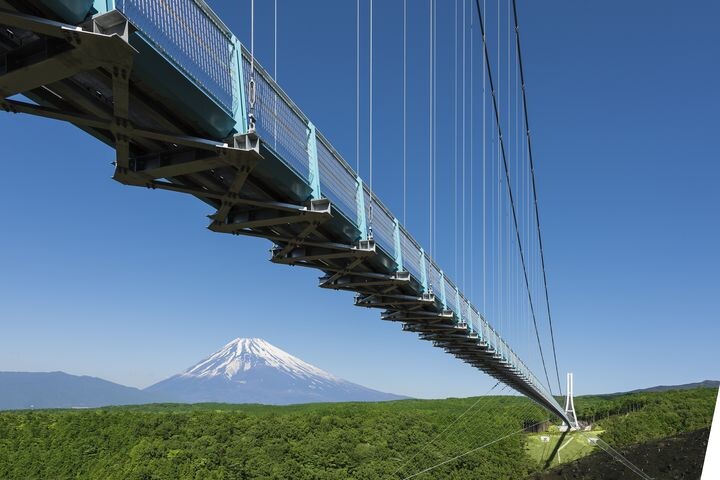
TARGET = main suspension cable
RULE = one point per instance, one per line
(534, 190)
(509, 189)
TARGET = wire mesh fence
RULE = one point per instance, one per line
(278, 123)
(192, 38)
(337, 181)
(412, 254)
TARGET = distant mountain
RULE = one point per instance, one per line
(686, 386)
(251, 370)
(61, 390)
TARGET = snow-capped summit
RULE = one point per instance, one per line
(243, 354)
(251, 370)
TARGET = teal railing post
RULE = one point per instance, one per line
(238, 76)
(314, 170)
(361, 214)
(457, 302)
(398, 247)
(423, 272)
(443, 299)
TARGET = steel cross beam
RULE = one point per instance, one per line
(407, 302)
(316, 212)
(363, 282)
(15, 106)
(86, 51)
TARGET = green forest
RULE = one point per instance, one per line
(393, 440)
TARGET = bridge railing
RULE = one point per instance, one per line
(412, 254)
(337, 180)
(279, 122)
(192, 36)
(383, 223)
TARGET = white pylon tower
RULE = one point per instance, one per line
(570, 404)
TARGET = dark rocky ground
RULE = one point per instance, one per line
(679, 457)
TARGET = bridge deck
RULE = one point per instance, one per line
(176, 113)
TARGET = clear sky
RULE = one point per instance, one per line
(128, 284)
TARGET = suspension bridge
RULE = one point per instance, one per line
(189, 109)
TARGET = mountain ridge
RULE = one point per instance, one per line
(27, 390)
(684, 386)
(246, 370)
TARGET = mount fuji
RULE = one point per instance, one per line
(251, 370)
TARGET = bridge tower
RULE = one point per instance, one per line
(570, 403)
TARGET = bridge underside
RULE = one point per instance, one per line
(86, 76)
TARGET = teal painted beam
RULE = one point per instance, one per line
(314, 169)
(443, 298)
(423, 272)
(240, 113)
(457, 302)
(398, 247)
(361, 215)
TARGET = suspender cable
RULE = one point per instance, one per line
(357, 90)
(435, 127)
(464, 142)
(500, 204)
(472, 159)
(405, 112)
(455, 150)
(275, 73)
(510, 257)
(483, 177)
(509, 189)
(251, 93)
(372, 192)
(534, 190)
(275, 42)
(430, 136)
(433, 54)
(252, 37)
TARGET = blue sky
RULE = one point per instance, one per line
(128, 284)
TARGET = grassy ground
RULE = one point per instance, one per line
(558, 447)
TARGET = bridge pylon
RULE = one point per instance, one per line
(570, 404)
